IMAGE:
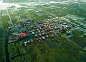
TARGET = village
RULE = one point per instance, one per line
(43, 32)
(39, 29)
(28, 32)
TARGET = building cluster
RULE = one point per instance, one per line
(16, 36)
(43, 29)
(10, 28)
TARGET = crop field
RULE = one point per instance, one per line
(41, 52)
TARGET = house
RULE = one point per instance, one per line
(40, 34)
(19, 26)
(52, 35)
(51, 24)
(40, 29)
(50, 29)
(33, 33)
(43, 28)
(27, 24)
(35, 27)
(47, 36)
(47, 29)
(43, 37)
(51, 32)
(22, 25)
(40, 38)
(30, 28)
(43, 34)
(69, 32)
(22, 34)
(9, 27)
(9, 38)
(12, 30)
(31, 40)
(84, 34)
(7, 31)
(69, 27)
(60, 22)
(25, 43)
(15, 34)
(36, 32)
(65, 23)
(48, 33)
(36, 35)
(36, 39)
(28, 41)
(55, 27)
(58, 27)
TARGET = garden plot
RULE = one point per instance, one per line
(73, 17)
(44, 15)
(1, 32)
(15, 17)
(1, 24)
(0, 18)
(41, 14)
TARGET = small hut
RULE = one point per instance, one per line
(69, 32)
(7, 31)
(43, 34)
(51, 32)
(28, 41)
(36, 35)
(50, 29)
(48, 33)
(40, 38)
(9, 27)
(33, 33)
(40, 29)
(40, 34)
(52, 35)
(31, 40)
(43, 37)
(47, 36)
(15, 34)
(12, 30)
(65, 23)
(25, 43)
(36, 39)
(36, 32)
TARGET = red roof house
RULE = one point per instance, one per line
(22, 34)
(9, 38)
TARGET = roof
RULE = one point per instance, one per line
(69, 31)
(22, 34)
(9, 38)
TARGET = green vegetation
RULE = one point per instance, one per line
(78, 39)
(71, 50)
(2, 46)
(1, 50)
(41, 52)
(5, 18)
